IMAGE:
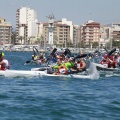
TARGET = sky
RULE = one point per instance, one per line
(78, 11)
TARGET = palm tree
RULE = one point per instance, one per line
(13, 37)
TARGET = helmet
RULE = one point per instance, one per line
(111, 58)
(2, 54)
(105, 56)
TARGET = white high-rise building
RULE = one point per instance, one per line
(64, 21)
(26, 25)
(5, 32)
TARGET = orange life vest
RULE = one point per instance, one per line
(63, 70)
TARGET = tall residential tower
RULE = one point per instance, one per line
(5, 32)
(26, 25)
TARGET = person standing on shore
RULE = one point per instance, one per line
(4, 64)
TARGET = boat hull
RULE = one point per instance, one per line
(23, 73)
(2, 72)
(101, 67)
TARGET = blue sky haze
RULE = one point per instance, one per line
(78, 11)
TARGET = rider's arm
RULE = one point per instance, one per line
(1, 62)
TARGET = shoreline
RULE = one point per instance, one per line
(29, 48)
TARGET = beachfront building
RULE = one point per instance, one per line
(115, 32)
(76, 36)
(115, 35)
(40, 35)
(26, 25)
(90, 33)
(105, 32)
(62, 33)
(70, 24)
(104, 35)
(5, 32)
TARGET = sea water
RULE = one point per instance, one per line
(52, 98)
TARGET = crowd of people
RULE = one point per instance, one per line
(111, 61)
(65, 64)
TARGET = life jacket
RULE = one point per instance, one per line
(62, 69)
(35, 57)
(79, 64)
(5, 66)
(113, 64)
(105, 63)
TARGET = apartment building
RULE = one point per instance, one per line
(5, 32)
(104, 35)
(90, 32)
(115, 32)
(76, 36)
(26, 25)
(105, 32)
(69, 23)
(61, 34)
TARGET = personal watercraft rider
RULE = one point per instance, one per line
(108, 62)
(34, 56)
(105, 61)
(41, 59)
(68, 67)
(4, 64)
(117, 59)
(64, 68)
(53, 69)
(81, 65)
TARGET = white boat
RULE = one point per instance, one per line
(20, 73)
(43, 73)
(2, 72)
(23, 73)
(101, 67)
(26, 73)
(39, 69)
